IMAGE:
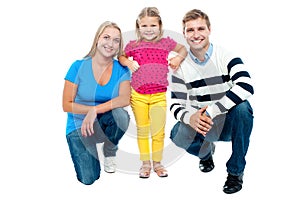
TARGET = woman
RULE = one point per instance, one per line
(96, 89)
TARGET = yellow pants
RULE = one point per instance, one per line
(150, 115)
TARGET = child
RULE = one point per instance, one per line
(146, 57)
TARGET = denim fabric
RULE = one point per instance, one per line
(109, 129)
(234, 126)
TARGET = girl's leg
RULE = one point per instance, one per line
(158, 107)
(140, 108)
(157, 111)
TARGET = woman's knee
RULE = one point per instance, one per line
(87, 181)
(121, 117)
(118, 117)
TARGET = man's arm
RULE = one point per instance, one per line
(181, 110)
(240, 91)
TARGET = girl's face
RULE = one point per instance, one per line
(149, 28)
(109, 42)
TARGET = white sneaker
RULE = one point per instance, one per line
(110, 164)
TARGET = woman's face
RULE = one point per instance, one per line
(109, 42)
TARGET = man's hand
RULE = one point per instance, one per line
(201, 122)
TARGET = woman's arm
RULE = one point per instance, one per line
(70, 90)
(120, 101)
(69, 94)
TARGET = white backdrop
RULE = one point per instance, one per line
(39, 41)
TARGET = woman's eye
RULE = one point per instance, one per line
(117, 41)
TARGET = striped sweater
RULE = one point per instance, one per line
(221, 83)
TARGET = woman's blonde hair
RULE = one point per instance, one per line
(148, 12)
(100, 30)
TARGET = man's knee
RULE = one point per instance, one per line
(174, 132)
(244, 109)
(182, 135)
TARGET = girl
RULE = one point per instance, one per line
(147, 57)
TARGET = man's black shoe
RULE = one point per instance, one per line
(207, 165)
(233, 184)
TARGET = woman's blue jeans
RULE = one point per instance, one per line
(109, 129)
(234, 126)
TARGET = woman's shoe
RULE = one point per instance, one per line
(110, 164)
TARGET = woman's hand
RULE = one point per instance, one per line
(87, 127)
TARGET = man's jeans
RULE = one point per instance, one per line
(234, 126)
(109, 129)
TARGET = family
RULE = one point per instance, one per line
(209, 87)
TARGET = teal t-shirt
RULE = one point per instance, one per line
(89, 91)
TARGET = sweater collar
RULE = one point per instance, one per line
(206, 57)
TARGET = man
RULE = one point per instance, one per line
(209, 100)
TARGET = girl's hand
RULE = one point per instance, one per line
(174, 62)
(87, 127)
(134, 65)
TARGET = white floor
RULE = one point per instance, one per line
(39, 41)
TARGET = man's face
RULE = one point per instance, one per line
(197, 34)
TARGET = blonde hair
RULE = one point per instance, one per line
(100, 30)
(148, 12)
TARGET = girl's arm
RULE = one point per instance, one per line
(177, 60)
(129, 62)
